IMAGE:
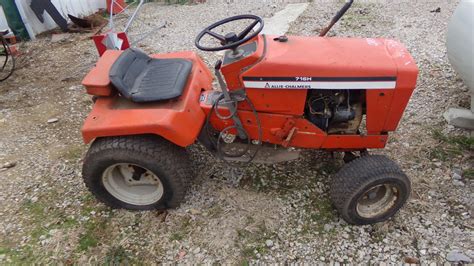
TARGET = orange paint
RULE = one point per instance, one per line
(178, 120)
(181, 120)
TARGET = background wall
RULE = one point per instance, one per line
(74, 7)
(3, 19)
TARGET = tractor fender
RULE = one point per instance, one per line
(179, 120)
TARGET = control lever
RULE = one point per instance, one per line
(229, 101)
(336, 18)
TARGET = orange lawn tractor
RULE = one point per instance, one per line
(277, 95)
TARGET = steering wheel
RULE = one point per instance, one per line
(230, 40)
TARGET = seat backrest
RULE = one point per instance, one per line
(127, 69)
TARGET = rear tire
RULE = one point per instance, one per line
(369, 190)
(142, 172)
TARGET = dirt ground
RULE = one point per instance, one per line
(263, 213)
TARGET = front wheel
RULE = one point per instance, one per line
(369, 189)
(137, 172)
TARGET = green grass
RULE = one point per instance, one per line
(94, 230)
(468, 173)
(318, 212)
(251, 241)
(73, 152)
(117, 255)
(23, 256)
(178, 236)
(393, 139)
(42, 216)
(215, 211)
(358, 15)
(45, 218)
(322, 211)
(449, 146)
(462, 142)
(86, 241)
(39, 216)
(182, 230)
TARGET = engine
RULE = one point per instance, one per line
(335, 111)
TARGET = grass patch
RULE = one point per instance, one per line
(88, 198)
(87, 241)
(21, 256)
(117, 255)
(182, 230)
(462, 142)
(73, 153)
(215, 211)
(449, 146)
(178, 236)
(358, 15)
(94, 230)
(324, 211)
(318, 212)
(468, 174)
(45, 218)
(393, 139)
(252, 243)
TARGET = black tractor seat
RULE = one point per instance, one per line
(141, 78)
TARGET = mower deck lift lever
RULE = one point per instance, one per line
(336, 18)
(228, 100)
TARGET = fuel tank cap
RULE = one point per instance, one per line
(282, 38)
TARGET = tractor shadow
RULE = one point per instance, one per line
(312, 168)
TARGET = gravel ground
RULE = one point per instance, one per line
(263, 213)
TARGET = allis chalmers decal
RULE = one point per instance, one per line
(274, 85)
(320, 82)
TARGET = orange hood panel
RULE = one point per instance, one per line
(328, 57)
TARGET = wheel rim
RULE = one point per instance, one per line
(377, 200)
(132, 184)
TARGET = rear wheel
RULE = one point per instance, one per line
(137, 172)
(369, 189)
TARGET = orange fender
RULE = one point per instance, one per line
(179, 120)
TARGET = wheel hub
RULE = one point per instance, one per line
(132, 184)
(377, 200)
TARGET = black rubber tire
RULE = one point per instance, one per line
(168, 161)
(356, 177)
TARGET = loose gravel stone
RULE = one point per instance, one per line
(269, 243)
(457, 256)
(8, 165)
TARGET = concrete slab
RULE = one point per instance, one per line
(462, 118)
(280, 22)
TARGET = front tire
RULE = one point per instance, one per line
(369, 190)
(142, 172)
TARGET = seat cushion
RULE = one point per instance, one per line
(141, 78)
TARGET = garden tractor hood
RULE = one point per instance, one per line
(332, 63)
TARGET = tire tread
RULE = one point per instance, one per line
(171, 158)
(355, 174)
